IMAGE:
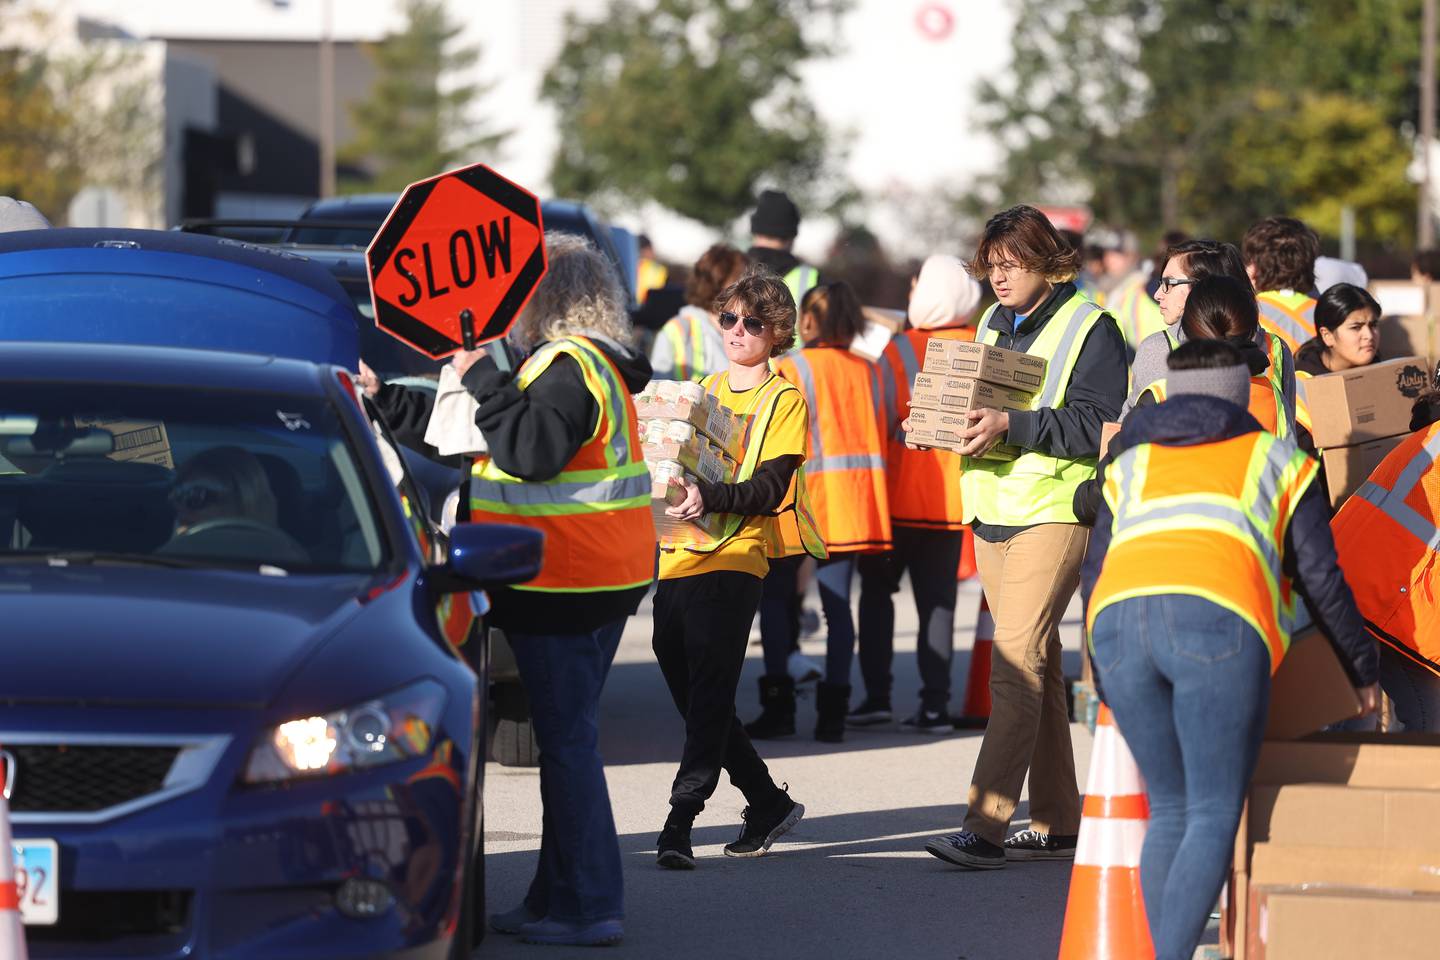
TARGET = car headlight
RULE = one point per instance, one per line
(393, 727)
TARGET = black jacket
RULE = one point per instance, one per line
(780, 261)
(1309, 553)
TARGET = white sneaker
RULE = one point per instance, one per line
(802, 669)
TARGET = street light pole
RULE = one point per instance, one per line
(327, 101)
(1426, 225)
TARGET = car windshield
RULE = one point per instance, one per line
(156, 475)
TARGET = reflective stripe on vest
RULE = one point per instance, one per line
(1208, 521)
(595, 514)
(1288, 315)
(1387, 539)
(1035, 487)
(687, 342)
(923, 485)
(1137, 314)
(800, 279)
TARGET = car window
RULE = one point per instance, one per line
(195, 478)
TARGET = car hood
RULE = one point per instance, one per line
(123, 635)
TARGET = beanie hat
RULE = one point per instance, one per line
(775, 216)
(944, 294)
(1224, 383)
(19, 215)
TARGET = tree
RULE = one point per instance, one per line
(692, 104)
(414, 125)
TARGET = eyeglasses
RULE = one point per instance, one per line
(1006, 268)
(1170, 283)
(753, 325)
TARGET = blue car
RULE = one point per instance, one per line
(237, 722)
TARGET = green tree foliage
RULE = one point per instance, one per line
(1208, 114)
(692, 104)
(415, 124)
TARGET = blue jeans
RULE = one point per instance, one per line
(578, 879)
(780, 614)
(1189, 684)
(834, 577)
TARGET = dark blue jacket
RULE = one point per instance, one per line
(1309, 552)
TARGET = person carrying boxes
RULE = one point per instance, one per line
(1208, 528)
(924, 497)
(1028, 544)
(709, 587)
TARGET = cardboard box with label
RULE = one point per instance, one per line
(707, 416)
(945, 430)
(1004, 368)
(1348, 467)
(667, 493)
(1363, 404)
(937, 391)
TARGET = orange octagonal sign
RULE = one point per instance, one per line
(467, 240)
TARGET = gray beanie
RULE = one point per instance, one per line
(1225, 383)
(19, 215)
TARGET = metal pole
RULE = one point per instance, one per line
(327, 101)
(1426, 225)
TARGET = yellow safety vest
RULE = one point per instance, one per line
(1137, 314)
(1288, 315)
(1035, 487)
(801, 279)
(687, 342)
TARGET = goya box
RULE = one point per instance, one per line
(1004, 368)
(937, 391)
(946, 431)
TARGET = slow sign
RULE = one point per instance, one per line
(464, 248)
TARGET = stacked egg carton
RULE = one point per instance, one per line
(685, 433)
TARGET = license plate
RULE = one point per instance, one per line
(37, 881)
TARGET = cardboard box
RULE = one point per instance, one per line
(696, 456)
(937, 391)
(1363, 404)
(705, 530)
(1107, 433)
(1339, 815)
(1406, 324)
(1299, 923)
(1311, 690)
(946, 431)
(1005, 368)
(136, 441)
(1284, 863)
(709, 417)
(1348, 467)
(881, 326)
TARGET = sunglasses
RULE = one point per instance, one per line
(753, 325)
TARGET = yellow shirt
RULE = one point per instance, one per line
(746, 552)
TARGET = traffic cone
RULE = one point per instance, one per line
(976, 711)
(1105, 915)
(12, 930)
(967, 568)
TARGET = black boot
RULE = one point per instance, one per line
(832, 700)
(777, 713)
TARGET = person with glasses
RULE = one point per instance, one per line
(709, 588)
(1028, 542)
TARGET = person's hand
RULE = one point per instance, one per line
(1369, 699)
(987, 428)
(692, 507)
(463, 360)
(369, 382)
(905, 427)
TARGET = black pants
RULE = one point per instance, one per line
(702, 625)
(932, 557)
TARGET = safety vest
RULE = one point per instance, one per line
(650, 275)
(845, 465)
(1302, 406)
(1207, 521)
(1387, 538)
(686, 334)
(1288, 315)
(595, 513)
(793, 530)
(923, 485)
(1267, 397)
(800, 279)
(1035, 487)
(1133, 309)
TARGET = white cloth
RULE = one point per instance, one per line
(944, 294)
(452, 430)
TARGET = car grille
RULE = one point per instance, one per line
(58, 778)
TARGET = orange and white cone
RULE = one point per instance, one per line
(976, 711)
(12, 929)
(1105, 915)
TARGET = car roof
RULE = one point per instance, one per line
(168, 288)
(176, 367)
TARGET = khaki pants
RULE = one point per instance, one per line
(1029, 581)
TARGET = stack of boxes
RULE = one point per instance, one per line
(685, 432)
(1358, 416)
(959, 376)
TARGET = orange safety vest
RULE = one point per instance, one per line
(924, 485)
(1387, 539)
(595, 514)
(1208, 521)
(1267, 399)
(845, 462)
(1288, 315)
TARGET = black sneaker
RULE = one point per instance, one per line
(870, 712)
(764, 827)
(965, 849)
(672, 850)
(936, 723)
(1030, 845)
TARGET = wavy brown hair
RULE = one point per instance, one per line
(1282, 251)
(716, 269)
(1025, 236)
(761, 294)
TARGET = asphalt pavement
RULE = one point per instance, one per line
(852, 880)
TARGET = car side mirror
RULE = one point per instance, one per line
(491, 554)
